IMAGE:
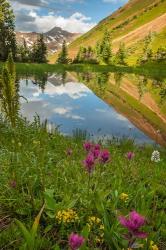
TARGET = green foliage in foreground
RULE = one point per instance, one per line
(37, 168)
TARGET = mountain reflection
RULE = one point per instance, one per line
(104, 104)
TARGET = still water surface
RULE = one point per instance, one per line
(86, 102)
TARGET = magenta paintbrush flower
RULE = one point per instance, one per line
(89, 163)
(96, 153)
(133, 224)
(87, 146)
(96, 147)
(75, 241)
(130, 155)
(105, 156)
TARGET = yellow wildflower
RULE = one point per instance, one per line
(94, 220)
(98, 239)
(153, 246)
(67, 216)
(102, 227)
(124, 197)
(95, 225)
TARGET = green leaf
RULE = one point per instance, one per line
(49, 199)
(25, 232)
(85, 232)
(36, 222)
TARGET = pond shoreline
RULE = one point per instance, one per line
(151, 69)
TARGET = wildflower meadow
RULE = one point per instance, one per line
(60, 192)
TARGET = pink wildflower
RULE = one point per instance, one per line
(133, 224)
(96, 147)
(130, 155)
(104, 156)
(87, 146)
(75, 241)
(96, 153)
(89, 163)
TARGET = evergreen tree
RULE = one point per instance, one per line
(147, 50)
(102, 81)
(142, 86)
(104, 48)
(7, 27)
(83, 52)
(89, 54)
(85, 55)
(161, 54)
(78, 58)
(121, 55)
(39, 50)
(118, 76)
(23, 52)
(63, 55)
(26, 51)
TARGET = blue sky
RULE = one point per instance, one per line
(71, 15)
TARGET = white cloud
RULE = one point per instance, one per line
(67, 113)
(61, 110)
(101, 110)
(72, 89)
(29, 17)
(76, 23)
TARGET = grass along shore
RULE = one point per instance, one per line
(151, 69)
(41, 168)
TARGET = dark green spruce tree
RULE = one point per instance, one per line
(23, 52)
(63, 55)
(147, 54)
(161, 54)
(39, 50)
(7, 31)
(104, 49)
(121, 55)
(85, 55)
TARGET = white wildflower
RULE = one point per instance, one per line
(155, 156)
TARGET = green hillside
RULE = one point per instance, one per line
(136, 49)
(130, 24)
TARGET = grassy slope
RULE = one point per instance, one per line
(134, 7)
(159, 40)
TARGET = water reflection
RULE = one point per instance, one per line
(104, 104)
